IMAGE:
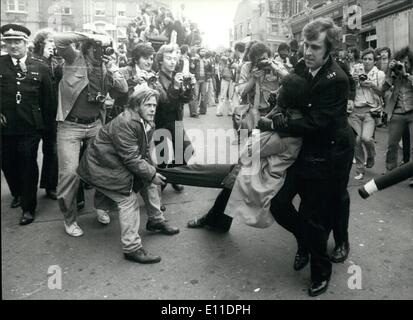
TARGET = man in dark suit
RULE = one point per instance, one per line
(25, 109)
(320, 174)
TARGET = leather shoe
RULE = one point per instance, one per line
(197, 223)
(141, 256)
(301, 259)
(15, 203)
(340, 253)
(318, 287)
(163, 208)
(52, 194)
(178, 187)
(26, 218)
(162, 227)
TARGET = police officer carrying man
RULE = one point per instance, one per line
(25, 89)
(321, 172)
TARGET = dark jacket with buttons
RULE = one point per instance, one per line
(33, 112)
(324, 127)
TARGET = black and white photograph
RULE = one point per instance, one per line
(206, 155)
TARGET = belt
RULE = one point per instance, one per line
(82, 121)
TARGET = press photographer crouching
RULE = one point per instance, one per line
(118, 164)
(88, 75)
(175, 90)
(138, 72)
(399, 106)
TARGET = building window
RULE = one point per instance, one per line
(274, 28)
(121, 10)
(100, 7)
(240, 31)
(249, 27)
(67, 9)
(66, 28)
(16, 6)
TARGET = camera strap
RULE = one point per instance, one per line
(96, 79)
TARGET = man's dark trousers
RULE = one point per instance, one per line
(19, 165)
(312, 225)
(49, 175)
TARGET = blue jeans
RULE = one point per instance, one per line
(70, 136)
(398, 123)
(364, 124)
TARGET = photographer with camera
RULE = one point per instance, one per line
(399, 106)
(260, 77)
(175, 90)
(138, 72)
(88, 75)
(367, 106)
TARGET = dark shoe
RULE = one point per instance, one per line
(52, 194)
(318, 287)
(26, 218)
(178, 187)
(370, 163)
(301, 259)
(340, 253)
(195, 115)
(15, 203)
(141, 256)
(162, 227)
(197, 223)
(163, 208)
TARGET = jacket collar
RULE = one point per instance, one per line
(321, 72)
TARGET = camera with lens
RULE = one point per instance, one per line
(398, 67)
(264, 64)
(363, 77)
(187, 82)
(97, 98)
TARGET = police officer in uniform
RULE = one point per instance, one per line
(25, 91)
(321, 172)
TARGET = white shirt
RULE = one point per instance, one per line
(22, 60)
(314, 73)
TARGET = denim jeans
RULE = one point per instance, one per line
(129, 218)
(226, 94)
(398, 123)
(364, 125)
(199, 103)
(150, 196)
(70, 136)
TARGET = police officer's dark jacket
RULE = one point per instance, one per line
(32, 89)
(324, 126)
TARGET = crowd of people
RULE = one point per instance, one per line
(316, 108)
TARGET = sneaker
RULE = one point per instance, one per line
(219, 114)
(73, 230)
(103, 216)
(360, 176)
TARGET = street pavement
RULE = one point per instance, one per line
(246, 263)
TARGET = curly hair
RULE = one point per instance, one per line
(403, 53)
(39, 40)
(257, 50)
(294, 92)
